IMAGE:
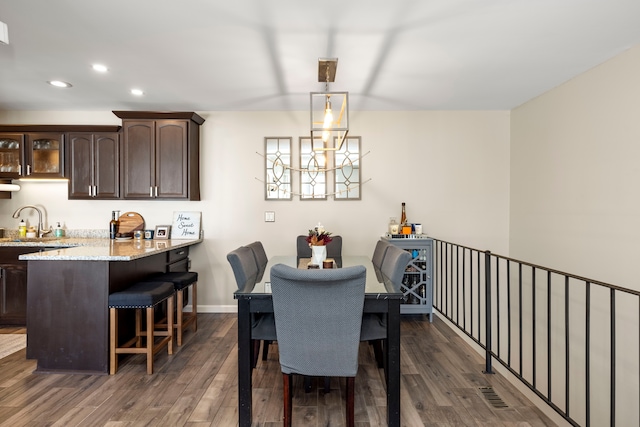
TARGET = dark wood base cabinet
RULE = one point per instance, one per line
(13, 285)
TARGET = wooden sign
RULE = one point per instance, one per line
(186, 225)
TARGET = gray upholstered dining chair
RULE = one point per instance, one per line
(394, 265)
(374, 326)
(378, 256)
(318, 318)
(379, 253)
(263, 328)
(260, 256)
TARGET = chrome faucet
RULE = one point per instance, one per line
(41, 229)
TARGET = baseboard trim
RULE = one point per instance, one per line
(214, 308)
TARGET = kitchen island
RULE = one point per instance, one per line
(67, 295)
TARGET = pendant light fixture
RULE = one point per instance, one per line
(329, 110)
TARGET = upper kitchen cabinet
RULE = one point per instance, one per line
(31, 154)
(93, 161)
(160, 155)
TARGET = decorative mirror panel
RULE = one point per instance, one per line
(346, 162)
(313, 164)
(277, 168)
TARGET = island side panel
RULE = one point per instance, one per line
(67, 310)
(67, 316)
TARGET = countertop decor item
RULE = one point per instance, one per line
(162, 232)
(130, 222)
(186, 225)
(318, 254)
(318, 238)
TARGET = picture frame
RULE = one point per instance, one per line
(186, 225)
(162, 232)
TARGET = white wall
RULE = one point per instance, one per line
(575, 173)
(451, 168)
(575, 161)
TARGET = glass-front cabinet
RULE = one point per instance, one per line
(31, 155)
(11, 154)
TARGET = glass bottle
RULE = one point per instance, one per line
(403, 216)
(113, 226)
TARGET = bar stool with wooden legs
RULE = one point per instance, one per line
(182, 280)
(142, 295)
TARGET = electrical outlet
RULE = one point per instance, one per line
(269, 216)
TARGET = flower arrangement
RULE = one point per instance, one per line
(318, 237)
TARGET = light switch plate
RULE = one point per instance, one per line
(269, 216)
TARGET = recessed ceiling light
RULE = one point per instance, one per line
(59, 83)
(100, 68)
(137, 92)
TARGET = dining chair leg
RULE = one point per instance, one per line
(350, 401)
(377, 351)
(255, 352)
(265, 349)
(287, 399)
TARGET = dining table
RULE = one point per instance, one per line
(380, 297)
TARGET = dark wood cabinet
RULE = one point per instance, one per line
(93, 160)
(32, 155)
(178, 260)
(13, 286)
(13, 301)
(160, 155)
(11, 154)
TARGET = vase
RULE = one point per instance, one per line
(318, 254)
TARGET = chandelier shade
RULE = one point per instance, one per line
(329, 110)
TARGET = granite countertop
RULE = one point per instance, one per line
(95, 249)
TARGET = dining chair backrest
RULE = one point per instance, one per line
(379, 253)
(334, 248)
(302, 247)
(394, 265)
(318, 319)
(260, 256)
(244, 266)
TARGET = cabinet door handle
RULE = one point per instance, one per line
(156, 191)
(180, 253)
(28, 170)
(20, 170)
(90, 190)
(150, 191)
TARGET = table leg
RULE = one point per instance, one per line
(393, 363)
(244, 363)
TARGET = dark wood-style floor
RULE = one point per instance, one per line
(442, 385)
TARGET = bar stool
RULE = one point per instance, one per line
(182, 280)
(138, 296)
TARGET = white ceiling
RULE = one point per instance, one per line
(253, 55)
